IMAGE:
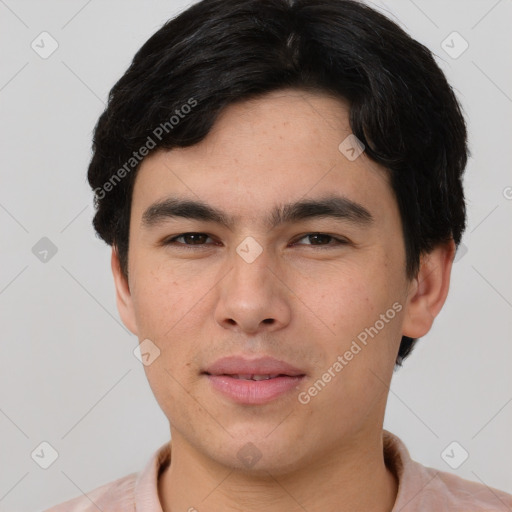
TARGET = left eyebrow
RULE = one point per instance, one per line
(337, 207)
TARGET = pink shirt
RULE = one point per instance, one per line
(420, 488)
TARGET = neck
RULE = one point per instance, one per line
(343, 480)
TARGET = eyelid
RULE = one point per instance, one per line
(339, 240)
(171, 240)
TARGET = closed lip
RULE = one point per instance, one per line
(240, 365)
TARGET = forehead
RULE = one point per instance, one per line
(276, 149)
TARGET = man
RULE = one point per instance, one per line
(281, 183)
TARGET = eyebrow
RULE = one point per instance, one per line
(337, 207)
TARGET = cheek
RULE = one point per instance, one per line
(362, 307)
(346, 298)
(173, 394)
(164, 296)
(171, 310)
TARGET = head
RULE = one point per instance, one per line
(238, 121)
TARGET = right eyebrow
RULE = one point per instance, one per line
(338, 207)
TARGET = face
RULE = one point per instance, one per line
(319, 288)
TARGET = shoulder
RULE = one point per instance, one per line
(451, 492)
(117, 496)
(428, 489)
(136, 491)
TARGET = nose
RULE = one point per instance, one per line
(253, 297)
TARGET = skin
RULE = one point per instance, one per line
(298, 302)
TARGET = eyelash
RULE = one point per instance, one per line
(339, 241)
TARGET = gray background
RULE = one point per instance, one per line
(67, 369)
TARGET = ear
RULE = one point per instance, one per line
(428, 290)
(123, 294)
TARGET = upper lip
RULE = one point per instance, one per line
(238, 365)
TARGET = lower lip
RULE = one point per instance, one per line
(253, 392)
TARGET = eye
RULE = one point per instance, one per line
(322, 240)
(318, 240)
(189, 239)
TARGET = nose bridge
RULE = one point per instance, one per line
(250, 262)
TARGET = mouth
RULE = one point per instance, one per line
(254, 377)
(253, 382)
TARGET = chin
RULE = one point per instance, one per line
(259, 454)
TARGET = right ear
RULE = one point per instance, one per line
(123, 294)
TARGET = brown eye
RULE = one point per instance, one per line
(322, 239)
(188, 239)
